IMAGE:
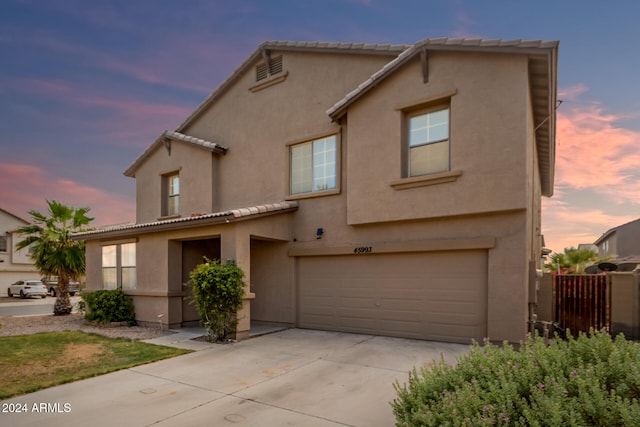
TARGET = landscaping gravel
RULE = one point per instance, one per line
(11, 326)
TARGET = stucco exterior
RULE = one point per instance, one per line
(235, 201)
(14, 264)
(620, 242)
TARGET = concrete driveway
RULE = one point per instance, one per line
(294, 377)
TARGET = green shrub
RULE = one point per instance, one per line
(591, 380)
(106, 306)
(218, 290)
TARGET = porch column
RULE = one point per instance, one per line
(236, 246)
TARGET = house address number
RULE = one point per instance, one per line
(363, 250)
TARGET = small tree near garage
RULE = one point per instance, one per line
(218, 290)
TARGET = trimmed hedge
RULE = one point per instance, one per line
(592, 380)
(106, 306)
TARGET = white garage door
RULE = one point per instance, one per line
(438, 296)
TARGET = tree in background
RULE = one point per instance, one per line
(573, 261)
(53, 251)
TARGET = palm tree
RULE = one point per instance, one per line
(52, 249)
(573, 261)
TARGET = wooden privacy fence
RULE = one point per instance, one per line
(582, 301)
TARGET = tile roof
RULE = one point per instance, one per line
(443, 43)
(213, 146)
(195, 220)
(174, 136)
(543, 63)
(326, 47)
(338, 46)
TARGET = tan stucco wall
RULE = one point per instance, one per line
(272, 281)
(507, 261)
(159, 265)
(491, 144)
(257, 126)
(487, 134)
(196, 168)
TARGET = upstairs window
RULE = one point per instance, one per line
(3, 243)
(313, 166)
(171, 195)
(428, 141)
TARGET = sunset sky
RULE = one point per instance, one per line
(86, 86)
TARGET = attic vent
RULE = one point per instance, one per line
(275, 67)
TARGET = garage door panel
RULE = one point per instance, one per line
(440, 296)
(358, 323)
(355, 303)
(444, 318)
(410, 304)
(316, 302)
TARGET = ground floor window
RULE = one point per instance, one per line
(119, 266)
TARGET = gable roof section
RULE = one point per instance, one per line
(543, 60)
(611, 231)
(14, 216)
(188, 222)
(390, 50)
(165, 139)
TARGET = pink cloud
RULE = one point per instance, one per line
(572, 92)
(592, 152)
(184, 60)
(27, 187)
(595, 156)
(138, 121)
(565, 225)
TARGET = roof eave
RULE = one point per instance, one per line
(325, 47)
(15, 216)
(205, 220)
(161, 140)
(605, 236)
(539, 52)
(546, 133)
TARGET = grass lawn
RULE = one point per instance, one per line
(33, 362)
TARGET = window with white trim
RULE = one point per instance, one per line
(428, 141)
(313, 165)
(3, 243)
(119, 266)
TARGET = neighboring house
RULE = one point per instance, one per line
(14, 264)
(621, 242)
(587, 247)
(379, 189)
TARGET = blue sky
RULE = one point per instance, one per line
(86, 86)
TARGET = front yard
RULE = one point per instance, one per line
(40, 360)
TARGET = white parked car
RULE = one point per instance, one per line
(27, 288)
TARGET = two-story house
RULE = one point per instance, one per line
(621, 242)
(379, 189)
(14, 264)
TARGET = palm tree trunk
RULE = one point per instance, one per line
(63, 305)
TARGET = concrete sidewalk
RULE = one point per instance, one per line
(294, 377)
